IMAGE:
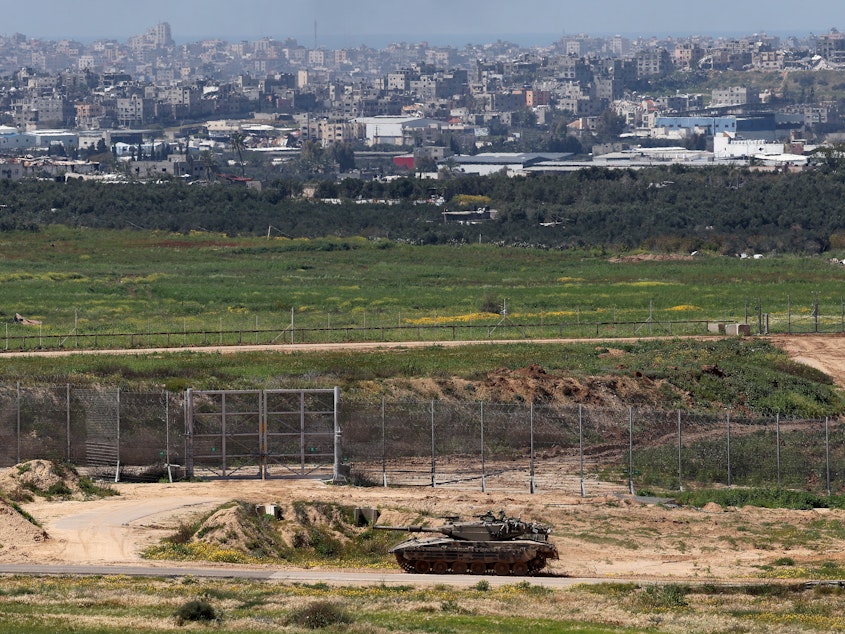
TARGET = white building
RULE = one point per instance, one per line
(384, 130)
(12, 139)
(726, 147)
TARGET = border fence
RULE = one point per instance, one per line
(481, 446)
(760, 316)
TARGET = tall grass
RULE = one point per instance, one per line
(98, 281)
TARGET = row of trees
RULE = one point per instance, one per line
(722, 209)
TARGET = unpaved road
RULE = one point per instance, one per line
(823, 352)
(599, 537)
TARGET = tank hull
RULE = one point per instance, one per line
(450, 556)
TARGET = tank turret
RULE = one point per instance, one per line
(489, 529)
(503, 545)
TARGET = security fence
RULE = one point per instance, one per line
(587, 450)
(591, 450)
(105, 431)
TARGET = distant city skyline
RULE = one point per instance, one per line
(454, 22)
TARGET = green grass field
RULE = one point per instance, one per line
(115, 604)
(79, 281)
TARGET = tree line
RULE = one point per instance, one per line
(720, 209)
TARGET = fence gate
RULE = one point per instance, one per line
(263, 433)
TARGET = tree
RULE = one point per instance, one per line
(609, 125)
(209, 163)
(237, 142)
(344, 156)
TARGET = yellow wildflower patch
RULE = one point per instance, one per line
(450, 319)
(684, 307)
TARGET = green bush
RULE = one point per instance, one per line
(196, 610)
(669, 596)
(766, 498)
(318, 615)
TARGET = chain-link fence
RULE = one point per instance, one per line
(467, 445)
(586, 450)
(111, 433)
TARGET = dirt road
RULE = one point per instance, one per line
(601, 536)
(823, 352)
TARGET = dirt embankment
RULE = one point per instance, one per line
(533, 384)
(823, 352)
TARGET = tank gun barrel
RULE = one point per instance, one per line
(414, 529)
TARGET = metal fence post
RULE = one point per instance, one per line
(18, 435)
(117, 441)
(383, 447)
(777, 444)
(531, 484)
(167, 435)
(263, 466)
(631, 450)
(680, 459)
(788, 315)
(67, 415)
(729, 448)
(483, 471)
(189, 433)
(581, 447)
(337, 436)
(433, 462)
(827, 453)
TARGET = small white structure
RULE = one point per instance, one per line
(726, 146)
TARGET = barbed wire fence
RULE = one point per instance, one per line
(482, 446)
(587, 450)
(759, 315)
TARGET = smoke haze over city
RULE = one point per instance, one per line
(336, 23)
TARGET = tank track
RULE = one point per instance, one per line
(421, 566)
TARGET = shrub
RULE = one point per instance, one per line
(91, 489)
(196, 610)
(183, 535)
(59, 489)
(668, 596)
(318, 615)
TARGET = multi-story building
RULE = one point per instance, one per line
(134, 111)
(734, 96)
(831, 46)
(654, 62)
(327, 131)
(43, 112)
(687, 55)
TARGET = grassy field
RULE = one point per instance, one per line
(91, 281)
(106, 605)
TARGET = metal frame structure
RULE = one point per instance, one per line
(280, 433)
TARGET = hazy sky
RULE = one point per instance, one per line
(352, 22)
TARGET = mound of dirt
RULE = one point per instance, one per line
(42, 478)
(533, 384)
(17, 533)
(246, 528)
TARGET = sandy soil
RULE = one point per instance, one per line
(601, 536)
(823, 352)
(597, 537)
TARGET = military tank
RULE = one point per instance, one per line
(494, 544)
